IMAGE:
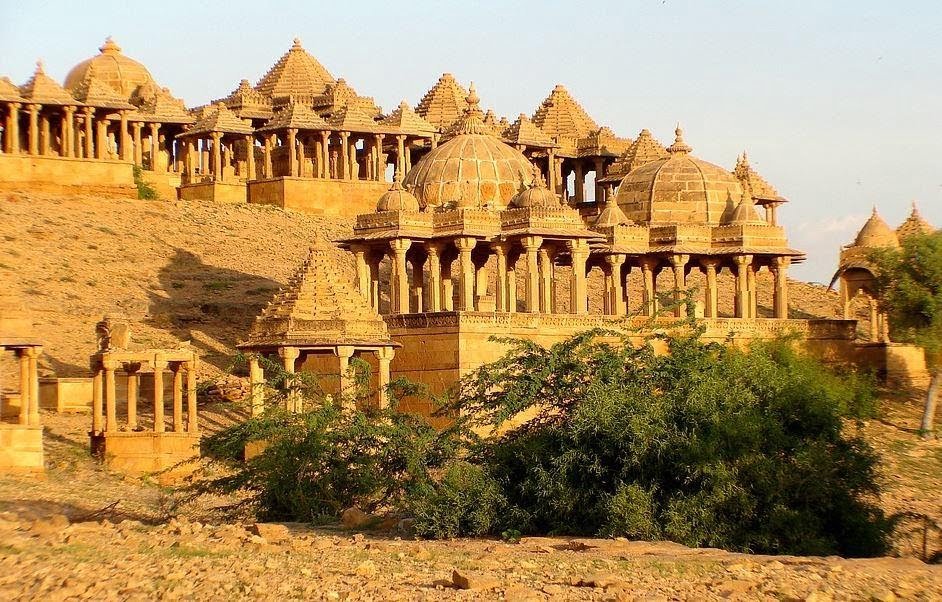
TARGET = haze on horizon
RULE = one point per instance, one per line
(837, 103)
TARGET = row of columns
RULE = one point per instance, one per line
(105, 403)
(289, 357)
(80, 135)
(431, 288)
(28, 359)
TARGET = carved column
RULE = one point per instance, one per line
(780, 270)
(710, 297)
(257, 386)
(137, 126)
(418, 283)
(546, 280)
(579, 301)
(751, 286)
(384, 355)
(434, 276)
(34, 129)
(401, 154)
(343, 165)
(743, 265)
(177, 369)
(216, 169)
(13, 129)
(160, 364)
(465, 245)
(132, 378)
(344, 353)
(34, 385)
(289, 356)
(500, 251)
(125, 150)
(678, 264)
(363, 271)
(324, 159)
(250, 157)
(192, 421)
(67, 140)
(111, 402)
(154, 145)
(648, 265)
(616, 297)
(89, 144)
(25, 388)
(378, 169)
(531, 246)
(399, 281)
(97, 420)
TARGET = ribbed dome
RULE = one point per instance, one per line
(876, 233)
(397, 198)
(679, 189)
(111, 67)
(473, 169)
(536, 195)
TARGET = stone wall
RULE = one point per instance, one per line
(60, 174)
(347, 198)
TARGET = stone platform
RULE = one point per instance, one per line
(217, 192)
(62, 174)
(347, 198)
(144, 452)
(21, 448)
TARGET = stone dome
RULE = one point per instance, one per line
(876, 233)
(473, 169)
(535, 195)
(397, 198)
(679, 189)
(111, 67)
(914, 225)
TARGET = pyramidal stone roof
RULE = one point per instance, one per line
(444, 104)
(560, 116)
(318, 307)
(248, 102)
(96, 93)
(158, 104)
(915, 225)
(8, 91)
(525, 132)
(758, 187)
(643, 150)
(218, 119)
(42, 89)
(296, 73)
(295, 116)
(407, 121)
(351, 118)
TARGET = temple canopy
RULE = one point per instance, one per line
(444, 103)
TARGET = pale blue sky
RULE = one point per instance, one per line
(839, 104)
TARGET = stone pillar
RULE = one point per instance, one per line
(97, 420)
(344, 353)
(552, 181)
(125, 150)
(216, 169)
(299, 150)
(434, 276)
(743, 265)
(874, 320)
(24, 386)
(68, 140)
(352, 162)
(780, 293)
(616, 295)
(448, 289)
(289, 356)
(546, 280)
(678, 264)
(101, 139)
(710, 297)
(500, 251)
(111, 401)
(133, 378)
(378, 169)
(324, 159)
(466, 274)
(648, 265)
(579, 302)
(137, 126)
(384, 355)
(531, 246)
(401, 155)
(579, 183)
(399, 277)
(599, 174)
(266, 152)
(192, 421)
(250, 157)
(12, 133)
(33, 418)
(34, 129)
(343, 165)
(177, 369)
(89, 145)
(257, 386)
(44, 136)
(363, 271)
(160, 364)
(418, 283)
(154, 145)
(751, 285)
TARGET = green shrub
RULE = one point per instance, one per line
(144, 190)
(708, 445)
(465, 501)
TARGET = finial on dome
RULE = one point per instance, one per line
(397, 179)
(39, 66)
(403, 105)
(296, 44)
(679, 146)
(472, 98)
(109, 47)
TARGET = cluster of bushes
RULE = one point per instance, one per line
(706, 445)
